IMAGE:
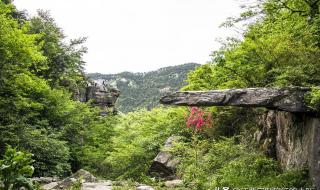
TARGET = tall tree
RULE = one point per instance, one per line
(64, 60)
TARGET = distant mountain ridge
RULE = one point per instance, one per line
(143, 90)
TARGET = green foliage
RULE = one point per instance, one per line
(36, 113)
(281, 48)
(258, 171)
(51, 154)
(64, 60)
(98, 145)
(76, 186)
(18, 50)
(39, 71)
(226, 163)
(50, 121)
(138, 138)
(313, 98)
(15, 167)
(143, 90)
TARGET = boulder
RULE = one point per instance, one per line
(97, 186)
(44, 180)
(80, 176)
(164, 165)
(173, 183)
(289, 99)
(144, 187)
(50, 185)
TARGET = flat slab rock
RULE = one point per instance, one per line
(144, 187)
(97, 186)
(289, 99)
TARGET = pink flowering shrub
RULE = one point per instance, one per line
(198, 119)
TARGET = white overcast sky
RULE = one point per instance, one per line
(140, 35)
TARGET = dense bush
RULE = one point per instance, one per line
(139, 137)
(97, 145)
(313, 98)
(51, 155)
(37, 113)
(15, 168)
(226, 163)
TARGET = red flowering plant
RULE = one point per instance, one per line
(198, 119)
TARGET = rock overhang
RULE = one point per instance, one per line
(290, 99)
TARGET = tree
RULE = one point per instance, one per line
(35, 116)
(279, 48)
(64, 60)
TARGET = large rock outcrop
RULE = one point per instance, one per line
(286, 99)
(289, 131)
(293, 139)
(103, 96)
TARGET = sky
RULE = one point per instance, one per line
(140, 35)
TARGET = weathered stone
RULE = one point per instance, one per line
(44, 180)
(164, 165)
(144, 187)
(50, 185)
(173, 183)
(82, 175)
(97, 186)
(288, 132)
(103, 96)
(293, 139)
(286, 99)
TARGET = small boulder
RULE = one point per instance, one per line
(97, 186)
(80, 176)
(50, 185)
(164, 165)
(44, 180)
(173, 183)
(144, 187)
(84, 175)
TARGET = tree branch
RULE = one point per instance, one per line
(291, 9)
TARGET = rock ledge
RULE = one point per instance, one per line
(289, 99)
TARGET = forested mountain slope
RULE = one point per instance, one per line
(143, 90)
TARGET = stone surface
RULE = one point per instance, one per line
(82, 175)
(173, 183)
(286, 99)
(164, 165)
(144, 187)
(97, 186)
(50, 185)
(44, 180)
(293, 139)
(102, 95)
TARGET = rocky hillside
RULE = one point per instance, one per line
(143, 90)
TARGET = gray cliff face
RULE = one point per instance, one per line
(103, 96)
(293, 139)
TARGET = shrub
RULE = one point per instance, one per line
(313, 98)
(138, 138)
(226, 163)
(50, 154)
(15, 167)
